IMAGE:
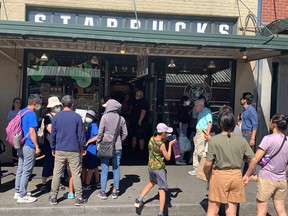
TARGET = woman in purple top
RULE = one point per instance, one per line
(272, 181)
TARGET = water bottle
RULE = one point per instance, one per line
(16, 141)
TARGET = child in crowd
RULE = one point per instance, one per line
(90, 161)
(156, 165)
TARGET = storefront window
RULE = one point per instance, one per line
(65, 73)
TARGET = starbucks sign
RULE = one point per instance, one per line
(195, 90)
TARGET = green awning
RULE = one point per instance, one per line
(28, 35)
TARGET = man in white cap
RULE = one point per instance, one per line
(156, 165)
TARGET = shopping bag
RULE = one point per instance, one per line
(185, 144)
(200, 173)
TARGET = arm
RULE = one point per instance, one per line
(254, 161)
(32, 133)
(124, 130)
(53, 137)
(209, 128)
(101, 128)
(253, 137)
(81, 134)
(254, 122)
(142, 115)
(92, 140)
(180, 127)
(167, 155)
(207, 169)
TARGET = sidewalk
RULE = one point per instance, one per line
(186, 196)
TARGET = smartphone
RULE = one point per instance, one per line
(203, 131)
(171, 137)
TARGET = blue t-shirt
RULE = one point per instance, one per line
(29, 120)
(92, 132)
(204, 118)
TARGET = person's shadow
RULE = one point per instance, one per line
(171, 193)
(125, 183)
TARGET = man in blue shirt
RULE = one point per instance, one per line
(249, 124)
(204, 125)
(28, 152)
(67, 141)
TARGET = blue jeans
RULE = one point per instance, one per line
(116, 170)
(26, 164)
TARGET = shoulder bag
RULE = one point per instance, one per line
(265, 160)
(107, 149)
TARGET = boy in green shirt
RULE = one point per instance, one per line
(156, 165)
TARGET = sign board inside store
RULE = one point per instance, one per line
(211, 26)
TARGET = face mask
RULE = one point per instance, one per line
(88, 120)
(187, 103)
(38, 108)
(57, 109)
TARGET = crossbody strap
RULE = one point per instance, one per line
(285, 138)
(117, 130)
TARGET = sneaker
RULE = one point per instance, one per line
(26, 199)
(138, 203)
(86, 187)
(80, 201)
(180, 163)
(17, 195)
(115, 195)
(101, 194)
(160, 214)
(53, 200)
(43, 188)
(193, 172)
(98, 186)
(71, 196)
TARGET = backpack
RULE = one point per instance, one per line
(14, 130)
(41, 130)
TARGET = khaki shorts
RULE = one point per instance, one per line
(226, 186)
(267, 189)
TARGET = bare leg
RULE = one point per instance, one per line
(44, 180)
(134, 142)
(96, 174)
(262, 208)
(231, 209)
(147, 188)
(89, 176)
(71, 187)
(280, 207)
(213, 208)
(141, 144)
(162, 199)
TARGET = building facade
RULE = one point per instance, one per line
(94, 49)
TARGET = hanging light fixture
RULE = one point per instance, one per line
(211, 65)
(122, 49)
(44, 57)
(171, 64)
(243, 51)
(94, 60)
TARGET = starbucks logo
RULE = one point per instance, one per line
(195, 90)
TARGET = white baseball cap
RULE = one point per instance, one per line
(91, 112)
(161, 127)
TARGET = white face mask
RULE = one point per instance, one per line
(88, 120)
(187, 103)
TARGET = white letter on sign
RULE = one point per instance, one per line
(89, 21)
(111, 22)
(65, 19)
(224, 28)
(200, 28)
(133, 24)
(40, 18)
(159, 27)
(180, 25)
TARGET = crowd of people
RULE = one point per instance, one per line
(230, 159)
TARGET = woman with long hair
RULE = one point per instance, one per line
(225, 156)
(273, 152)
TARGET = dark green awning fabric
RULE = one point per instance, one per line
(275, 27)
(29, 29)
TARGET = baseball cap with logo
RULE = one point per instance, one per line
(161, 128)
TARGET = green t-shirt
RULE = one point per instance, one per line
(156, 158)
(228, 152)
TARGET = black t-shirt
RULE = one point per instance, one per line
(136, 111)
(183, 114)
(47, 121)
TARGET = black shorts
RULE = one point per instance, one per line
(139, 131)
(90, 162)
